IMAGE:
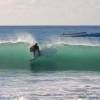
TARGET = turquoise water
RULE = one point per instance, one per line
(14, 56)
(70, 58)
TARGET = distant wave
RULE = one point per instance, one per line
(80, 34)
(64, 40)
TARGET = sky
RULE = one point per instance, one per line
(49, 12)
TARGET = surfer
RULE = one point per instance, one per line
(34, 49)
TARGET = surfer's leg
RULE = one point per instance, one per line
(39, 52)
(33, 53)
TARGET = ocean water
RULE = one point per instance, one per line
(68, 68)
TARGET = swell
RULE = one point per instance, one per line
(57, 57)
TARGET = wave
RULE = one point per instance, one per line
(59, 57)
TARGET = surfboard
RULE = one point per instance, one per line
(35, 57)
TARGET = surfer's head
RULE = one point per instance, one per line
(36, 43)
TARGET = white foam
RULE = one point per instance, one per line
(23, 37)
(68, 85)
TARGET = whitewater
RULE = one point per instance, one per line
(68, 68)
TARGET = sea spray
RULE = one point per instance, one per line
(22, 37)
